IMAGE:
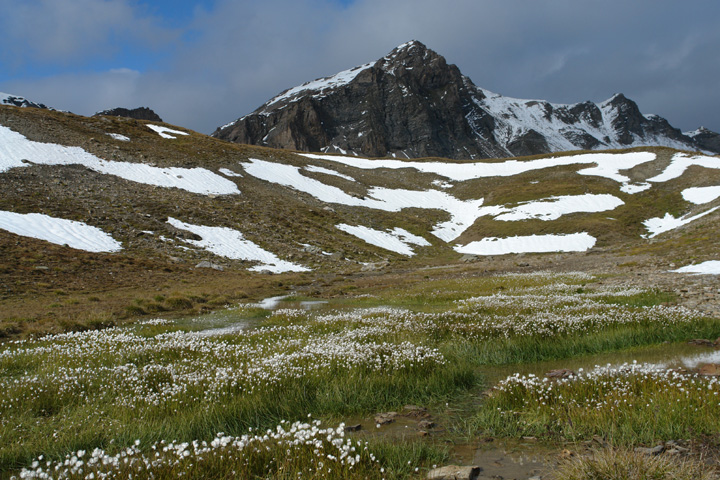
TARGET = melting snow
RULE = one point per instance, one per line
(575, 242)
(117, 136)
(711, 267)
(463, 213)
(229, 243)
(59, 231)
(657, 225)
(17, 151)
(165, 132)
(608, 165)
(397, 240)
(700, 195)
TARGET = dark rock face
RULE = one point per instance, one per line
(706, 139)
(141, 113)
(17, 101)
(411, 104)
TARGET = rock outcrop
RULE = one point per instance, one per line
(140, 113)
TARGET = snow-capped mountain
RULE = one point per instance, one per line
(18, 101)
(411, 104)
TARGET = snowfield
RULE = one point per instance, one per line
(59, 231)
(229, 243)
(17, 151)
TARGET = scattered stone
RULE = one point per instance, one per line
(42, 267)
(468, 258)
(385, 418)
(454, 472)
(701, 342)
(560, 373)
(423, 433)
(656, 450)
(530, 439)
(206, 264)
(353, 428)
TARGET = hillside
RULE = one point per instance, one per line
(111, 211)
(412, 103)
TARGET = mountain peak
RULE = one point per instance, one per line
(411, 103)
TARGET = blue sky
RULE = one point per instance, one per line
(201, 64)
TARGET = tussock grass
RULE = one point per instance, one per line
(622, 464)
(626, 405)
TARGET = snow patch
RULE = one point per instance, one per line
(229, 173)
(17, 151)
(683, 161)
(117, 136)
(554, 207)
(711, 267)
(165, 132)
(60, 231)
(397, 240)
(657, 225)
(321, 84)
(229, 243)
(327, 171)
(574, 242)
(700, 195)
(608, 165)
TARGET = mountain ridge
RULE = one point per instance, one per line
(411, 103)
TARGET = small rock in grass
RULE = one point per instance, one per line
(454, 472)
(385, 418)
(353, 428)
(656, 450)
(560, 373)
(701, 342)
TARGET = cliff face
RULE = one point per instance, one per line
(412, 103)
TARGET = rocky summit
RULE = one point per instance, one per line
(141, 113)
(412, 103)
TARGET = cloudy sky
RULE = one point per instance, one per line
(201, 64)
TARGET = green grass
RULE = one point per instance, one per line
(623, 464)
(157, 382)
